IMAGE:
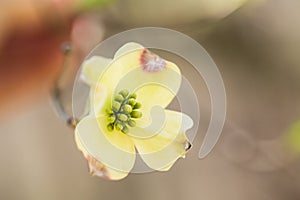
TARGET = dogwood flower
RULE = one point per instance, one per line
(127, 113)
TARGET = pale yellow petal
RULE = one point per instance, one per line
(161, 88)
(161, 151)
(93, 68)
(97, 168)
(127, 48)
(115, 151)
(126, 60)
(155, 80)
(98, 100)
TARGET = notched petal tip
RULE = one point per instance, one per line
(151, 62)
(187, 146)
(96, 168)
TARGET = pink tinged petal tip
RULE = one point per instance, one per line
(96, 168)
(151, 62)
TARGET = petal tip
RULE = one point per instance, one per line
(151, 62)
(187, 146)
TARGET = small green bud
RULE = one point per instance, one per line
(110, 127)
(111, 118)
(136, 114)
(125, 129)
(116, 106)
(133, 96)
(131, 123)
(124, 93)
(127, 108)
(118, 126)
(119, 98)
(131, 102)
(137, 105)
(123, 117)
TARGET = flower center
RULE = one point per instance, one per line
(124, 111)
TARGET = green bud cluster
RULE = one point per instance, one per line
(124, 111)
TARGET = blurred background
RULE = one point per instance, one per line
(255, 44)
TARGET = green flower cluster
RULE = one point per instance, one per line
(124, 111)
